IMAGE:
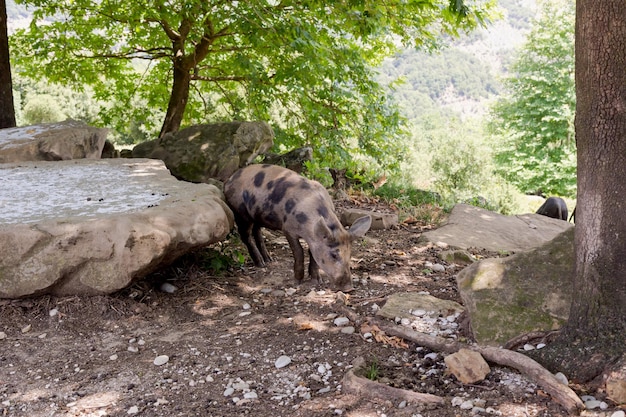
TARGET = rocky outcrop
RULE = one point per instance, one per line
(525, 292)
(204, 153)
(51, 142)
(469, 226)
(94, 226)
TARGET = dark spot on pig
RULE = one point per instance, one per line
(304, 184)
(278, 193)
(323, 211)
(302, 218)
(259, 178)
(266, 166)
(270, 184)
(333, 244)
(272, 219)
(289, 205)
(249, 199)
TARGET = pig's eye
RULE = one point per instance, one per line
(334, 256)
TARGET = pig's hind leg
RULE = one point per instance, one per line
(260, 243)
(246, 231)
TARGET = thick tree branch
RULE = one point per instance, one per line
(562, 394)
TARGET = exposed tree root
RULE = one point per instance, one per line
(562, 394)
(363, 387)
(529, 337)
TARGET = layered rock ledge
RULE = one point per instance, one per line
(95, 226)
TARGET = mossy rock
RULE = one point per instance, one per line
(528, 291)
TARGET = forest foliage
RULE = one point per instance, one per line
(372, 113)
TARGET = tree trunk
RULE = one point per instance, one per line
(7, 110)
(178, 99)
(595, 335)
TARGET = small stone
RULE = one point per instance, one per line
(402, 404)
(541, 345)
(246, 306)
(250, 395)
(168, 288)
(133, 349)
(229, 391)
(161, 360)
(561, 378)
(619, 413)
(53, 312)
(3, 335)
(113, 357)
(282, 361)
(133, 410)
(432, 356)
(341, 321)
(348, 330)
(291, 291)
(438, 268)
(26, 328)
(593, 404)
(457, 401)
(466, 405)
(528, 347)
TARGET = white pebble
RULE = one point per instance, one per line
(133, 410)
(3, 335)
(161, 360)
(438, 268)
(561, 378)
(113, 357)
(541, 345)
(341, 321)
(619, 413)
(26, 328)
(168, 288)
(432, 355)
(590, 405)
(282, 361)
(53, 312)
(466, 405)
(229, 391)
(457, 401)
(246, 306)
(290, 291)
(348, 330)
(250, 395)
(528, 347)
(402, 404)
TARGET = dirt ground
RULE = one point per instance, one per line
(223, 333)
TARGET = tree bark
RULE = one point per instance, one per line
(7, 109)
(595, 334)
(178, 99)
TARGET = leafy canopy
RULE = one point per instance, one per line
(536, 116)
(305, 66)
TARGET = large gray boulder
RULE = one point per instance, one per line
(95, 226)
(51, 142)
(473, 227)
(526, 292)
(204, 153)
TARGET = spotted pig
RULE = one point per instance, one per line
(279, 199)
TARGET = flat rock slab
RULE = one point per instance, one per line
(473, 227)
(52, 142)
(94, 226)
(402, 304)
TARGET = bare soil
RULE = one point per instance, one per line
(223, 332)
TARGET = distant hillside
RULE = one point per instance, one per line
(464, 76)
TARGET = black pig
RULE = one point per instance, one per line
(554, 207)
(279, 199)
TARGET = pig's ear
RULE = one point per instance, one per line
(360, 226)
(321, 230)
